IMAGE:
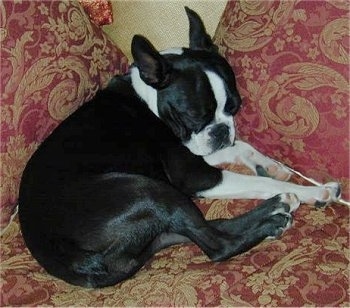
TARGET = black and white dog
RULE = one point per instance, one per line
(112, 185)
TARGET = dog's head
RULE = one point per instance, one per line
(192, 89)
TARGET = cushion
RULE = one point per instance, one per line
(164, 23)
(291, 59)
(52, 60)
(307, 266)
(99, 11)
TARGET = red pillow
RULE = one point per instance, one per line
(52, 60)
(291, 59)
(99, 11)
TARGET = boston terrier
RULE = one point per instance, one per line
(112, 185)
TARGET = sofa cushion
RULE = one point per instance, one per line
(52, 60)
(307, 266)
(291, 59)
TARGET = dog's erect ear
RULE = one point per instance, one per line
(199, 38)
(154, 69)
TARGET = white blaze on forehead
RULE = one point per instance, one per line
(146, 92)
(218, 88)
(200, 143)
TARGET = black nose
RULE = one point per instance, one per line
(220, 132)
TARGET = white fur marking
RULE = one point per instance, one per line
(199, 144)
(218, 88)
(146, 92)
(244, 153)
(172, 51)
(240, 186)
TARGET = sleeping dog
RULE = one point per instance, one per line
(112, 185)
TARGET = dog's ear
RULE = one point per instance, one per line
(154, 69)
(199, 38)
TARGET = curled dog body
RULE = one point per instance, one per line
(113, 183)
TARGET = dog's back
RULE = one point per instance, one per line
(73, 173)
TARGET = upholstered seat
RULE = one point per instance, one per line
(291, 60)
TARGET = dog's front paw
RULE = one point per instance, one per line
(280, 218)
(329, 193)
(274, 170)
(318, 196)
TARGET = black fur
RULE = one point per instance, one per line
(112, 184)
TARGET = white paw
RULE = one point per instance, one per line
(322, 195)
(281, 216)
(329, 193)
(275, 171)
(292, 200)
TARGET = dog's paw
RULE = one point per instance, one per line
(329, 193)
(280, 218)
(259, 163)
(274, 170)
(291, 200)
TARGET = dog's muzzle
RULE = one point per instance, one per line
(220, 136)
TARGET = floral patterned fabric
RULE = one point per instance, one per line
(291, 59)
(99, 11)
(52, 60)
(307, 266)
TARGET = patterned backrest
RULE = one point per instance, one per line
(52, 60)
(291, 59)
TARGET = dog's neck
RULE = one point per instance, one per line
(144, 91)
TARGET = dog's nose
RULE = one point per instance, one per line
(220, 131)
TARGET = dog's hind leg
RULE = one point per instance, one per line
(130, 229)
(267, 221)
(136, 226)
(223, 238)
(115, 265)
(183, 222)
(219, 239)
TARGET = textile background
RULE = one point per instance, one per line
(52, 60)
(291, 59)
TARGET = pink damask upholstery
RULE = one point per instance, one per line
(52, 60)
(308, 265)
(291, 59)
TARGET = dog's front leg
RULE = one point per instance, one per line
(239, 186)
(243, 153)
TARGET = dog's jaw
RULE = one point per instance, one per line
(199, 144)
